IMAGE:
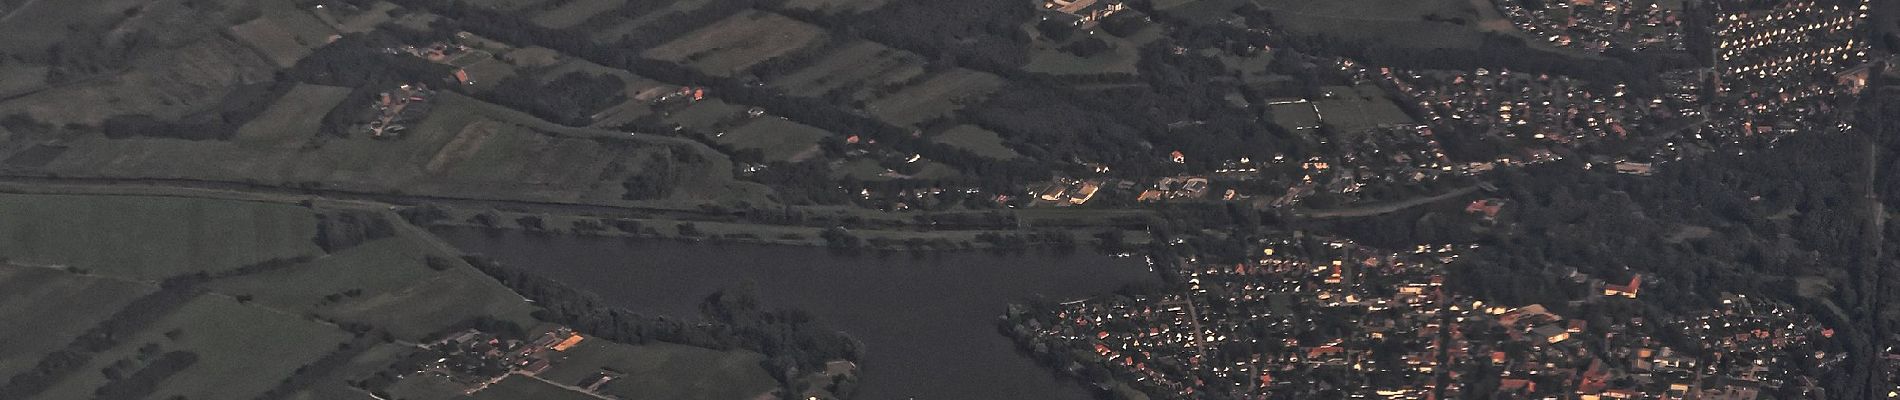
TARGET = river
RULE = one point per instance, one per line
(928, 324)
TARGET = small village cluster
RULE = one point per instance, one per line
(1311, 316)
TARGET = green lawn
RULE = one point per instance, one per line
(150, 237)
(50, 308)
(665, 371)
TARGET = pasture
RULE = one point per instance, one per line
(734, 44)
(150, 237)
(664, 371)
(935, 97)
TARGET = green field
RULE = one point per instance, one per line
(732, 45)
(664, 371)
(242, 350)
(935, 97)
(778, 138)
(857, 68)
(1351, 109)
(50, 308)
(150, 238)
(976, 139)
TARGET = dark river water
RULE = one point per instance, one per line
(928, 324)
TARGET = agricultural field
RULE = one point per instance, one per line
(664, 371)
(41, 24)
(976, 139)
(857, 68)
(507, 5)
(464, 148)
(284, 36)
(615, 33)
(392, 285)
(165, 85)
(50, 307)
(574, 12)
(1350, 109)
(778, 138)
(1394, 23)
(350, 19)
(288, 123)
(835, 6)
(516, 387)
(709, 116)
(1198, 10)
(1047, 56)
(935, 97)
(732, 45)
(17, 78)
(271, 39)
(150, 238)
(242, 350)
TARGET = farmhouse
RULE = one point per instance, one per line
(1083, 12)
